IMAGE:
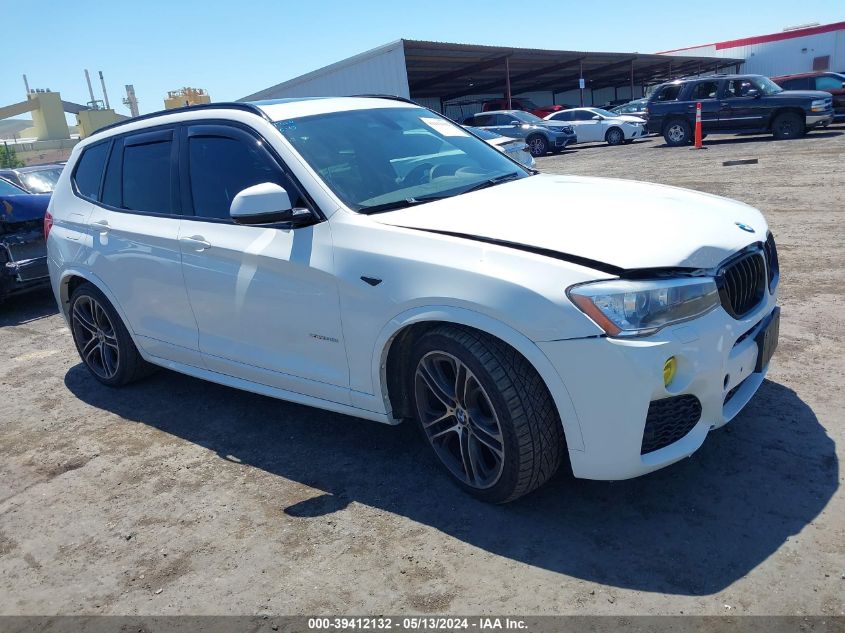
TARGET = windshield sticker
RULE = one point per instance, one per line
(443, 127)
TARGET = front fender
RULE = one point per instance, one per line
(485, 323)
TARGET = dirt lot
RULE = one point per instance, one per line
(179, 496)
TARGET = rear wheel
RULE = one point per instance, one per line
(485, 412)
(537, 145)
(614, 136)
(788, 125)
(102, 340)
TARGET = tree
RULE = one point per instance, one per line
(9, 157)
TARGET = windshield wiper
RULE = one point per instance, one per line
(410, 202)
(397, 204)
(490, 182)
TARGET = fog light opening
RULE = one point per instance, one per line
(669, 369)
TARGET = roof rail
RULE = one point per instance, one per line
(220, 105)
(386, 96)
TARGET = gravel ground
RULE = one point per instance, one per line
(175, 496)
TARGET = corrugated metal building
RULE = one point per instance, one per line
(799, 50)
(456, 78)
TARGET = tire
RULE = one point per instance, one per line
(788, 125)
(102, 340)
(677, 132)
(537, 145)
(614, 136)
(502, 437)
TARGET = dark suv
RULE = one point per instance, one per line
(735, 104)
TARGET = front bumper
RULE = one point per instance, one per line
(23, 263)
(612, 382)
(561, 142)
(823, 120)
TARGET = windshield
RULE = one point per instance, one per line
(767, 86)
(41, 181)
(525, 117)
(378, 157)
(8, 189)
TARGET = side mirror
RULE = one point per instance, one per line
(516, 123)
(596, 117)
(265, 203)
(753, 93)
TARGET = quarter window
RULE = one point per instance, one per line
(146, 177)
(89, 171)
(221, 167)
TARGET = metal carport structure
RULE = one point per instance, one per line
(443, 75)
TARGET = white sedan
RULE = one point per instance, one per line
(370, 257)
(594, 125)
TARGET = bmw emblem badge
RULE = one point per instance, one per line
(744, 227)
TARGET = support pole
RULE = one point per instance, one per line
(93, 102)
(581, 81)
(508, 81)
(632, 80)
(105, 94)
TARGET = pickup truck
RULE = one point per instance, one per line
(735, 104)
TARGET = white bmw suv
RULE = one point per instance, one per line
(368, 256)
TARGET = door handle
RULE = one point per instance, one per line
(197, 242)
(102, 226)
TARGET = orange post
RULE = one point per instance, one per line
(698, 143)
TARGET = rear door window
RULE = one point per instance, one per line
(89, 171)
(146, 178)
(799, 83)
(704, 90)
(483, 120)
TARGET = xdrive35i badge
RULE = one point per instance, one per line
(744, 227)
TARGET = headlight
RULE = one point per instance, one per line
(638, 308)
(819, 105)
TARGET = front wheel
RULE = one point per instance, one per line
(101, 339)
(614, 136)
(485, 412)
(677, 133)
(537, 145)
(788, 125)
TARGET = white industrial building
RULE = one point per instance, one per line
(792, 51)
(456, 78)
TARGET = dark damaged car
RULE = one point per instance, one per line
(23, 254)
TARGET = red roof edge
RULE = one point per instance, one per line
(762, 39)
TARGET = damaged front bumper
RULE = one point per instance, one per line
(23, 261)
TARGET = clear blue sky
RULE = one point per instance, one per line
(236, 48)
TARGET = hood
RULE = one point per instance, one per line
(803, 94)
(628, 118)
(622, 223)
(23, 207)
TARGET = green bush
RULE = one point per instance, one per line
(9, 157)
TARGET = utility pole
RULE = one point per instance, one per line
(105, 94)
